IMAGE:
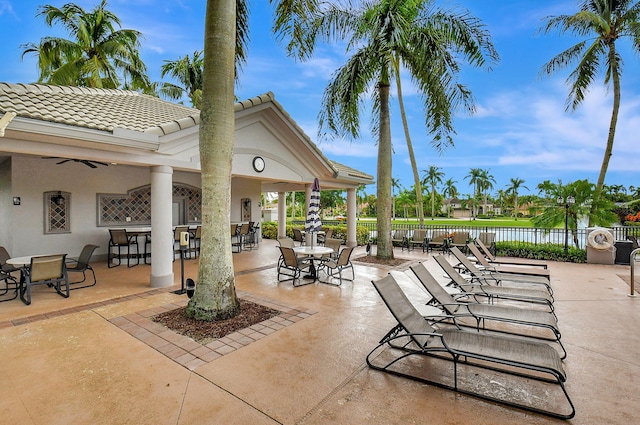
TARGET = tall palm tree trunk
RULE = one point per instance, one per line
(383, 203)
(215, 296)
(412, 157)
(612, 130)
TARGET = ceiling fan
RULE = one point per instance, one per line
(88, 163)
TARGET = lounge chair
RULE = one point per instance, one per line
(520, 320)
(418, 238)
(478, 275)
(529, 271)
(492, 292)
(512, 261)
(81, 265)
(509, 358)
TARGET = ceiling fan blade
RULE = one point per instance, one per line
(88, 163)
(63, 161)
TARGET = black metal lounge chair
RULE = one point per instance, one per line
(520, 321)
(399, 238)
(438, 240)
(418, 239)
(505, 358)
(512, 261)
(499, 278)
(81, 265)
(492, 292)
(520, 270)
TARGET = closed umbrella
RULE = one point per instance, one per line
(313, 223)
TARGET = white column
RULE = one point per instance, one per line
(282, 214)
(351, 217)
(161, 226)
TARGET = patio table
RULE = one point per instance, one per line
(311, 252)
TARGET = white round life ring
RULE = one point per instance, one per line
(601, 239)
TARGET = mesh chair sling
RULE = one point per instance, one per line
(438, 240)
(532, 364)
(47, 270)
(521, 320)
(419, 238)
(400, 239)
(81, 265)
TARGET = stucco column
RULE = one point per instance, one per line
(351, 217)
(282, 214)
(161, 226)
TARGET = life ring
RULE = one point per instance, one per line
(601, 239)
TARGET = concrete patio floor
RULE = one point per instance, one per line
(96, 358)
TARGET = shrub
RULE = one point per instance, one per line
(270, 231)
(549, 251)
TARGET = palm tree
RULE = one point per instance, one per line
(395, 185)
(432, 177)
(99, 56)
(382, 35)
(603, 22)
(485, 184)
(188, 71)
(474, 176)
(450, 191)
(512, 189)
(226, 35)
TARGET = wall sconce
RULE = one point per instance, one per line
(58, 199)
(16, 200)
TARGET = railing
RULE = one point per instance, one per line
(534, 235)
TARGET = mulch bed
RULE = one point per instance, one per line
(205, 332)
(372, 259)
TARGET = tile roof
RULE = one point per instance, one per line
(100, 109)
(108, 109)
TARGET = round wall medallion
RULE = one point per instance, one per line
(258, 164)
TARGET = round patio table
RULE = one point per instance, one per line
(311, 252)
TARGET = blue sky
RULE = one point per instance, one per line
(520, 128)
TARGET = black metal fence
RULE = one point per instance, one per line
(503, 234)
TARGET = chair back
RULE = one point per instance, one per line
(402, 310)
(487, 251)
(178, 230)
(487, 238)
(289, 258)
(286, 242)
(344, 257)
(460, 238)
(85, 255)
(438, 235)
(234, 230)
(634, 241)
(244, 229)
(334, 244)
(433, 286)
(465, 261)
(450, 271)
(47, 267)
(297, 235)
(4, 256)
(419, 235)
(399, 234)
(479, 257)
(328, 234)
(119, 236)
(198, 232)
